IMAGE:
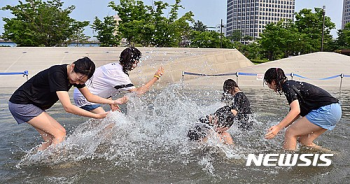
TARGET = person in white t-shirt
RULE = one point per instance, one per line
(110, 79)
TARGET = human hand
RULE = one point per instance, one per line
(115, 107)
(121, 100)
(159, 72)
(272, 132)
(220, 129)
(101, 115)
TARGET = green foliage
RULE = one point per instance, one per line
(106, 31)
(199, 26)
(38, 23)
(311, 24)
(142, 24)
(251, 51)
(343, 40)
(284, 39)
(236, 35)
(209, 39)
(78, 36)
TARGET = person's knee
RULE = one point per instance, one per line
(60, 135)
(291, 132)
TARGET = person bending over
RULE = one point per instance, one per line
(110, 79)
(319, 111)
(239, 104)
(31, 100)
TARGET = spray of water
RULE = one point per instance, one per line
(153, 131)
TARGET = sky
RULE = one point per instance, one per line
(210, 12)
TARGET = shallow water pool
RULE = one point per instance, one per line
(148, 144)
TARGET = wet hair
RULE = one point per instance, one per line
(277, 75)
(198, 132)
(225, 116)
(128, 57)
(228, 87)
(84, 66)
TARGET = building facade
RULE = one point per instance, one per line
(346, 13)
(251, 16)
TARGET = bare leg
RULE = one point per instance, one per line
(302, 128)
(47, 139)
(226, 138)
(51, 131)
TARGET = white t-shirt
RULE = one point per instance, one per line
(106, 82)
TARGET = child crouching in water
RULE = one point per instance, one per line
(217, 123)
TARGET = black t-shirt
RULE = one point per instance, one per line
(310, 97)
(241, 103)
(40, 90)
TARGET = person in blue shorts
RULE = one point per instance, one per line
(313, 110)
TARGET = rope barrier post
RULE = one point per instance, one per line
(237, 73)
(182, 78)
(292, 75)
(25, 73)
(341, 82)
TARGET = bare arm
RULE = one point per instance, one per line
(96, 99)
(292, 115)
(63, 96)
(143, 89)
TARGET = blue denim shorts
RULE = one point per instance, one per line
(24, 112)
(90, 107)
(326, 117)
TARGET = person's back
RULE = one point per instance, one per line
(107, 81)
(239, 104)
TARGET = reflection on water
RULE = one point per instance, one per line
(148, 144)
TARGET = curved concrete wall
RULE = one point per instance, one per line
(174, 60)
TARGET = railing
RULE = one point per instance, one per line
(25, 73)
(292, 75)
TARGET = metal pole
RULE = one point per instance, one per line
(323, 13)
(341, 81)
(221, 34)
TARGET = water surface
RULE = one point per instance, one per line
(148, 144)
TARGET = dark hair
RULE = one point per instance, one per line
(84, 66)
(228, 87)
(225, 116)
(277, 75)
(198, 132)
(128, 57)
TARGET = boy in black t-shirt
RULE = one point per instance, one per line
(319, 110)
(29, 102)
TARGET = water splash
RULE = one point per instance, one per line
(153, 132)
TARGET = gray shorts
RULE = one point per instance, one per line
(24, 112)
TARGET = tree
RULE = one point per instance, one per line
(343, 40)
(38, 23)
(199, 26)
(106, 31)
(146, 25)
(135, 17)
(209, 39)
(236, 35)
(311, 24)
(78, 36)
